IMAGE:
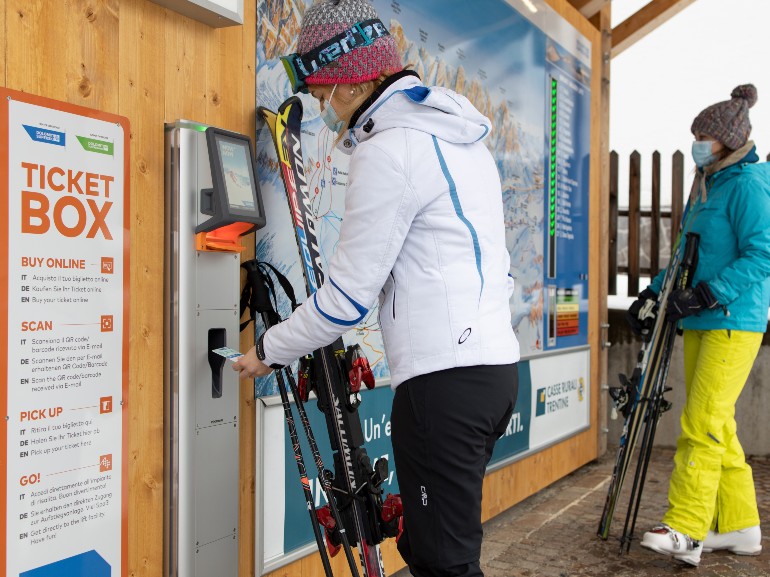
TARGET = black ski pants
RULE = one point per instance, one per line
(444, 427)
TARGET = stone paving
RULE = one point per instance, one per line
(553, 533)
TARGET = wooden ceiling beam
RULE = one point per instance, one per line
(589, 8)
(637, 26)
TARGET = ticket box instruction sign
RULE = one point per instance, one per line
(64, 224)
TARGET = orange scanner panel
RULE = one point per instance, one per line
(224, 239)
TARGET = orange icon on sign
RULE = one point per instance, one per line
(105, 463)
(106, 323)
(108, 265)
(105, 405)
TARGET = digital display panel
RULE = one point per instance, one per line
(237, 173)
(234, 195)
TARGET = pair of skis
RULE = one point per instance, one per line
(356, 514)
(640, 399)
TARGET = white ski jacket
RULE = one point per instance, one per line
(423, 230)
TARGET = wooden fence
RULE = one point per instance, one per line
(638, 234)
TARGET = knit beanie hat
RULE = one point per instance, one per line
(327, 18)
(728, 121)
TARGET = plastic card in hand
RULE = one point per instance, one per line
(228, 353)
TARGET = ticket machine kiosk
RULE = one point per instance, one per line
(212, 199)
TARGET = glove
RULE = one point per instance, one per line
(690, 301)
(642, 312)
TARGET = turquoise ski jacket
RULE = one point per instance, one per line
(733, 222)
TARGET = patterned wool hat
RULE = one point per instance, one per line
(728, 121)
(327, 18)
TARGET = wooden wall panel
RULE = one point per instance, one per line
(141, 92)
(3, 43)
(602, 21)
(92, 53)
(34, 65)
(224, 103)
(185, 72)
(248, 429)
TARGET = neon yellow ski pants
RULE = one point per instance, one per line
(712, 486)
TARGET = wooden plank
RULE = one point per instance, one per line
(185, 49)
(634, 221)
(3, 44)
(248, 426)
(677, 195)
(647, 19)
(655, 216)
(597, 234)
(249, 70)
(590, 8)
(601, 199)
(224, 95)
(141, 92)
(92, 53)
(33, 54)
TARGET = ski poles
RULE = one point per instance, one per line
(656, 405)
(261, 287)
(633, 398)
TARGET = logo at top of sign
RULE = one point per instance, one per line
(46, 135)
(106, 323)
(108, 265)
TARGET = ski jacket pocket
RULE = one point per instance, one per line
(393, 299)
(388, 300)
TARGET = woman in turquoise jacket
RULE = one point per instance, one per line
(712, 501)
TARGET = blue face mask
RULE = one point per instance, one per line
(701, 153)
(329, 115)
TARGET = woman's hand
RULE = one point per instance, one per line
(250, 367)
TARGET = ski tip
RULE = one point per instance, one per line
(264, 113)
(292, 101)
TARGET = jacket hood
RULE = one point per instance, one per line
(403, 102)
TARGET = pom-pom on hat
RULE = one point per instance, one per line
(328, 18)
(728, 121)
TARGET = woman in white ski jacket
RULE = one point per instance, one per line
(423, 232)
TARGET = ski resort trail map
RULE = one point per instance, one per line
(458, 45)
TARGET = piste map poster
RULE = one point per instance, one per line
(524, 67)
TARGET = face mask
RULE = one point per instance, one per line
(329, 115)
(701, 153)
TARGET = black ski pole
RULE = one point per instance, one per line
(322, 477)
(683, 280)
(634, 392)
(260, 302)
